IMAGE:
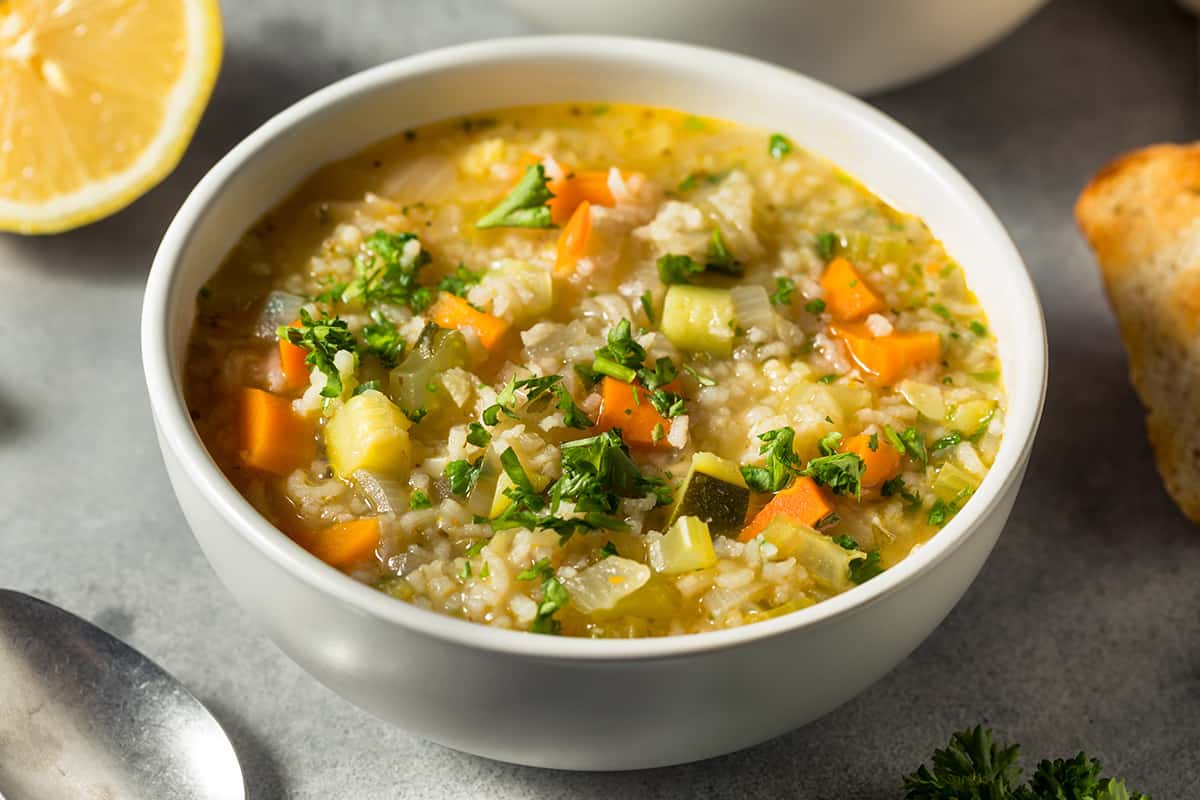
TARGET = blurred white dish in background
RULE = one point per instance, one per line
(857, 45)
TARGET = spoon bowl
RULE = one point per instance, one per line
(82, 714)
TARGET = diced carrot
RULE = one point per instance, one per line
(589, 186)
(274, 438)
(346, 544)
(632, 413)
(847, 295)
(572, 242)
(889, 358)
(291, 361)
(452, 311)
(802, 502)
(882, 463)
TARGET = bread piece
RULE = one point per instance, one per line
(1141, 214)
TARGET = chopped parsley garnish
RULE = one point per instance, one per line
(844, 541)
(828, 444)
(383, 340)
(688, 183)
(365, 386)
(873, 443)
(678, 269)
(387, 272)
(204, 293)
(977, 327)
(525, 206)
(951, 439)
(779, 146)
(782, 463)
(554, 597)
(475, 548)
(539, 571)
(865, 568)
(332, 293)
(416, 415)
(459, 281)
(941, 311)
(463, 475)
(826, 244)
(322, 338)
(624, 359)
(419, 500)
(719, 257)
(827, 379)
(784, 288)
(478, 435)
(910, 442)
(609, 549)
(647, 301)
(896, 487)
(700, 377)
(841, 472)
(538, 390)
(815, 306)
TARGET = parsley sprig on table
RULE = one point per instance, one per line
(322, 338)
(973, 766)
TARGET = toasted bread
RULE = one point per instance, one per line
(1141, 215)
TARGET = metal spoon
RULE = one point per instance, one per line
(83, 715)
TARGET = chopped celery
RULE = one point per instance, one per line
(861, 246)
(953, 483)
(369, 433)
(827, 562)
(699, 319)
(686, 547)
(417, 382)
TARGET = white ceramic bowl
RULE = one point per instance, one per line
(552, 701)
(857, 45)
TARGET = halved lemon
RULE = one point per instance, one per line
(98, 100)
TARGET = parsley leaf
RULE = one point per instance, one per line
(419, 500)
(459, 281)
(387, 272)
(609, 549)
(815, 306)
(782, 463)
(383, 339)
(539, 571)
(622, 348)
(322, 338)
(779, 146)
(554, 597)
(977, 327)
(910, 442)
(700, 377)
(844, 541)
(365, 386)
(478, 435)
(841, 472)
(784, 287)
(865, 568)
(971, 766)
(463, 475)
(678, 269)
(538, 389)
(647, 301)
(525, 206)
(719, 257)
(945, 443)
(826, 244)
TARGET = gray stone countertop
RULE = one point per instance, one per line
(1082, 632)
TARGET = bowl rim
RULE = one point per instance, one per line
(179, 436)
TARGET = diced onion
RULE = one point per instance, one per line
(280, 308)
(385, 495)
(605, 583)
(752, 308)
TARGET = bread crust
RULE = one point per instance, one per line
(1141, 216)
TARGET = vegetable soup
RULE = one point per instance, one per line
(596, 370)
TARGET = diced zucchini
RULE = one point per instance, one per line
(686, 547)
(924, 397)
(714, 492)
(602, 585)
(969, 417)
(531, 287)
(827, 562)
(860, 246)
(501, 501)
(953, 483)
(369, 433)
(699, 319)
(417, 383)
